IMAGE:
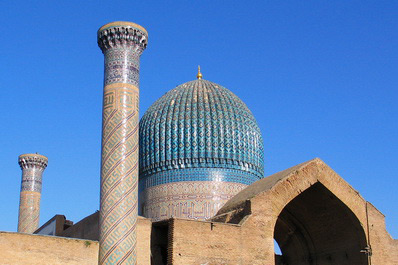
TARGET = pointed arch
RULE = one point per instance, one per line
(315, 216)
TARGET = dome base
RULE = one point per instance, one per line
(198, 200)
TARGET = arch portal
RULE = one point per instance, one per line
(317, 228)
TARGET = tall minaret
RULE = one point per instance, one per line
(122, 44)
(32, 166)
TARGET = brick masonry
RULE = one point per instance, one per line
(255, 212)
(242, 232)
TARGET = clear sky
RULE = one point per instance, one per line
(320, 77)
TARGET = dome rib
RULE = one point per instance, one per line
(200, 124)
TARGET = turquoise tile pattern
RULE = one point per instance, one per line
(194, 130)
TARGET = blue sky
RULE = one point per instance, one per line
(320, 77)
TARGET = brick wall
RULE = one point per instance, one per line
(16, 248)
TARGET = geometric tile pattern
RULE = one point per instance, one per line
(29, 212)
(121, 71)
(200, 124)
(32, 166)
(122, 44)
(195, 193)
(199, 200)
(196, 132)
(198, 174)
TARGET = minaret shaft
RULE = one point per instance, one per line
(32, 166)
(122, 44)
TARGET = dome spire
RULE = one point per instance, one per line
(199, 75)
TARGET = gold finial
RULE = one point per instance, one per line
(199, 75)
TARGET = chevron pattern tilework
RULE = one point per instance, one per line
(197, 132)
(122, 44)
(32, 166)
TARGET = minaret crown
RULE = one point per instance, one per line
(122, 34)
(32, 160)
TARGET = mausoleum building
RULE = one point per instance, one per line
(193, 169)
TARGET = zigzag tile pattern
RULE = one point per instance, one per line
(119, 176)
(122, 44)
(29, 212)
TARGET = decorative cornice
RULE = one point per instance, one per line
(201, 163)
(32, 160)
(122, 34)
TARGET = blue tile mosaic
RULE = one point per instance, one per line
(199, 146)
(200, 124)
(198, 174)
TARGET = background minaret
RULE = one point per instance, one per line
(122, 44)
(32, 166)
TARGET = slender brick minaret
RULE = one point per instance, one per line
(122, 44)
(32, 166)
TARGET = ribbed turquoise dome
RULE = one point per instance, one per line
(200, 124)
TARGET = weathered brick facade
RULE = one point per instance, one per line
(316, 217)
(321, 210)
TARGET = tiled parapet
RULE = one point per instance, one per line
(122, 44)
(32, 166)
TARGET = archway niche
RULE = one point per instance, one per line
(317, 228)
